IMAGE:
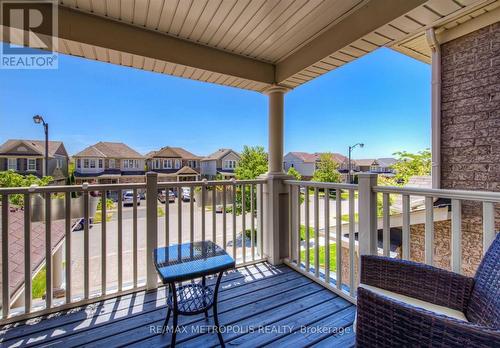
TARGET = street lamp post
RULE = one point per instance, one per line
(349, 168)
(39, 120)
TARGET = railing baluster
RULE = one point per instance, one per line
(338, 238)
(86, 260)
(406, 228)
(252, 222)
(243, 223)
(261, 221)
(67, 244)
(27, 253)
(134, 238)
(456, 235)
(48, 251)
(306, 217)
(386, 207)
(191, 214)
(120, 240)
(352, 222)
(316, 232)
(224, 217)
(488, 225)
(203, 189)
(179, 215)
(290, 222)
(214, 214)
(103, 243)
(299, 226)
(167, 216)
(327, 235)
(5, 257)
(429, 230)
(234, 221)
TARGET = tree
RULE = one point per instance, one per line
(293, 172)
(253, 162)
(327, 169)
(411, 164)
(10, 178)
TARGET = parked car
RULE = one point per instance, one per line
(186, 194)
(80, 223)
(162, 196)
(142, 195)
(128, 198)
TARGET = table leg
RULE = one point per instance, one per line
(176, 314)
(216, 317)
(203, 283)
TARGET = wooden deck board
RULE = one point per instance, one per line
(259, 305)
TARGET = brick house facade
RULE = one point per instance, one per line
(470, 138)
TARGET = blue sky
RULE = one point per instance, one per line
(382, 99)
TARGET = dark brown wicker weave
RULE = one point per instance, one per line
(384, 322)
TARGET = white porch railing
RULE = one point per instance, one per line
(312, 236)
(242, 235)
(325, 233)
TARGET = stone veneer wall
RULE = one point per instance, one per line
(470, 143)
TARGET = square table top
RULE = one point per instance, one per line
(191, 260)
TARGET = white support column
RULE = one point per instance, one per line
(367, 200)
(275, 192)
(151, 228)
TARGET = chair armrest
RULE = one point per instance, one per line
(417, 280)
(384, 322)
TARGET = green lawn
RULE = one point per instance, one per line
(322, 249)
(345, 217)
(38, 284)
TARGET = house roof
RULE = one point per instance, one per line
(109, 150)
(186, 171)
(36, 145)
(386, 162)
(217, 155)
(172, 152)
(313, 157)
(365, 161)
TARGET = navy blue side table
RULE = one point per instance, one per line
(188, 261)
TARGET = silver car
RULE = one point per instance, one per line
(128, 198)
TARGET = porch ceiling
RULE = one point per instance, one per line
(251, 44)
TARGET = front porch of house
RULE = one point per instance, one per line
(259, 305)
(316, 265)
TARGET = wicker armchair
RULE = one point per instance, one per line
(407, 304)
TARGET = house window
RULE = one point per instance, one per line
(78, 163)
(92, 163)
(177, 164)
(130, 164)
(59, 163)
(191, 164)
(167, 164)
(230, 164)
(112, 163)
(156, 164)
(100, 163)
(86, 163)
(31, 164)
(12, 164)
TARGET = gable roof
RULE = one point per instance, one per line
(314, 157)
(365, 161)
(172, 152)
(186, 170)
(217, 155)
(36, 145)
(109, 150)
(386, 162)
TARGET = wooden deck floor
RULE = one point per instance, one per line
(259, 305)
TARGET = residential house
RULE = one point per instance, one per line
(306, 163)
(27, 157)
(369, 165)
(109, 163)
(222, 162)
(174, 164)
